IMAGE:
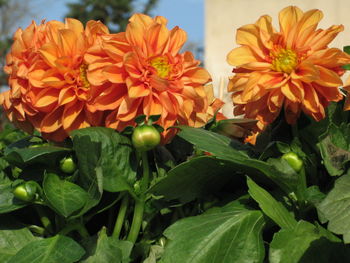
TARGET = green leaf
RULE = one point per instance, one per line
(307, 243)
(335, 208)
(214, 143)
(55, 249)
(64, 196)
(108, 249)
(194, 178)
(140, 119)
(154, 118)
(270, 206)
(230, 235)
(335, 148)
(346, 49)
(226, 149)
(110, 151)
(13, 237)
(346, 67)
(21, 155)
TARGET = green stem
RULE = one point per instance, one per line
(37, 229)
(75, 226)
(83, 231)
(121, 215)
(295, 131)
(45, 221)
(140, 203)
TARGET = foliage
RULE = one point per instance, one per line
(114, 14)
(212, 199)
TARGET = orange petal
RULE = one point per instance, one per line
(49, 54)
(306, 71)
(110, 98)
(66, 95)
(288, 17)
(70, 113)
(310, 18)
(152, 106)
(275, 100)
(157, 38)
(74, 25)
(324, 37)
(128, 109)
(264, 23)
(138, 90)
(47, 98)
(329, 93)
(249, 35)
(241, 55)
(114, 74)
(328, 78)
(142, 19)
(311, 101)
(177, 39)
(198, 75)
(52, 121)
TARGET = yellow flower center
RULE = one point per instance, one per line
(83, 76)
(161, 65)
(285, 60)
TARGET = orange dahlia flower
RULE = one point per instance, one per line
(151, 77)
(49, 89)
(292, 68)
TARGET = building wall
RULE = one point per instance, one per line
(224, 17)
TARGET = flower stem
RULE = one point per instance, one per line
(45, 221)
(121, 215)
(77, 226)
(140, 202)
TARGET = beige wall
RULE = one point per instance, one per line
(223, 17)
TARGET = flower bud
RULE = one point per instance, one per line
(145, 138)
(68, 165)
(293, 160)
(26, 191)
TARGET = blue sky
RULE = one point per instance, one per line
(187, 14)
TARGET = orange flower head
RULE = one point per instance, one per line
(151, 77)
(293, 68)
(49, 88)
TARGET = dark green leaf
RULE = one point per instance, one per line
(226, 149)
(283, 147)
(231, 235)
(20, 154)
(140, 119)
(55, 249)
(270, 206)
(346, 49)
(154, 118)
(194, 178)
(108, 249)
(108, 150)
(335, 207)
(335, 148)
(217, 144)
(64, 196)
(306, 243)
(104, 161)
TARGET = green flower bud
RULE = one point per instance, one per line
(293, 160)
(145, 138)
(162, 241)
(26, 192)
(68, 165)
